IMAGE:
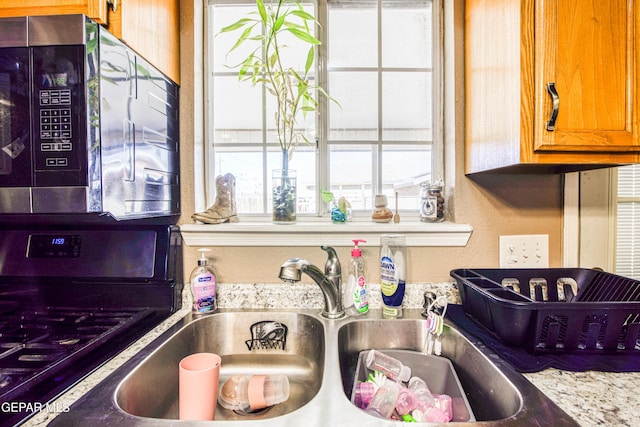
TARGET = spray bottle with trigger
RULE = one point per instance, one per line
(354, 298)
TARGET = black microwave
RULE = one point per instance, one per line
(86, 124)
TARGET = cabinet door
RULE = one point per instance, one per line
(151, 28)
(588, 50)
(96, 9)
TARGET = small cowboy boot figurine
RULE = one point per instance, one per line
(224, 209)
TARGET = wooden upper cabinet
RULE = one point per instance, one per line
(523, 58)
(150, 27)
(95, 9)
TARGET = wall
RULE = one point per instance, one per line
(493, 204)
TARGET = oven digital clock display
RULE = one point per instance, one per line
(54, 246)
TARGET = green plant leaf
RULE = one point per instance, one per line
(293, 93)
(290, 24)
(272, 59)
(238, 24)
(241, 39)
(262, 10)
(304, 15)
(310, 57)
(244, 68)
(326, 195)
(304, 36)
(278, 24)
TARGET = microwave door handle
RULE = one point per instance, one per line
(129, 147)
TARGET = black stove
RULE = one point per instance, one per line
(72, 297)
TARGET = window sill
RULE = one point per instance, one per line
(316, 233)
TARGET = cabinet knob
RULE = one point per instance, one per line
(555, 100)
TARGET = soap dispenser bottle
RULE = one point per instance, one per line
(203, 286)
(354, 298)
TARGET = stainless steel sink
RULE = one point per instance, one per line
(492, 395)
(319, 359)
(151, 390)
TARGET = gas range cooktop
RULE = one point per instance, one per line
(36, 344)
(73, 297)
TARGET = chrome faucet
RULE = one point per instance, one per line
(330, 281)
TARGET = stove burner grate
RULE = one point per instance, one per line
(37, 343)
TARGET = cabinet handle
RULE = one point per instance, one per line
(113, 4)
(555, 99)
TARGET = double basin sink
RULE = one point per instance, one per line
(319, 359)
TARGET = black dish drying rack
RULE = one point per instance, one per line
(562, 310)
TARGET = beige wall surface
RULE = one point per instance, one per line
(493, 205)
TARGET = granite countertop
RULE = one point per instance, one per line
(591, 398)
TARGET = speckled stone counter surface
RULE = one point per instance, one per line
(591, 398)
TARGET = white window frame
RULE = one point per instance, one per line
(321, 72)
(313, 232)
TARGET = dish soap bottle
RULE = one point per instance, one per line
(354, 297)
(392, 274)
(203, 286)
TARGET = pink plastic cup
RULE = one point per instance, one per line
(198, 386)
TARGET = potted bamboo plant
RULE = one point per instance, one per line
(264, 29)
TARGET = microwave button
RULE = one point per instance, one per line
(65, 97)
(56, 161)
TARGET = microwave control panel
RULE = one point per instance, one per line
(59, 118)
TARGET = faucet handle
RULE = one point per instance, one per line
(333, 263)
(429, 298)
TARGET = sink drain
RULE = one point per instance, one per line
(252, 413)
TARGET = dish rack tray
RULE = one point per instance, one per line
(558, 310)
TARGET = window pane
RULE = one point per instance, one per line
(239, 120)
(406, 34)
(406, 106)
(223, 16)
(403, 169)
(353, 35)
(351, 172)
(356, 118)
(304, 162)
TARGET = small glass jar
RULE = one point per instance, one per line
(431, 202)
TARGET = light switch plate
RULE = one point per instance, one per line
(524, 251)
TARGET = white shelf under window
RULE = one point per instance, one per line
(316, 233)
